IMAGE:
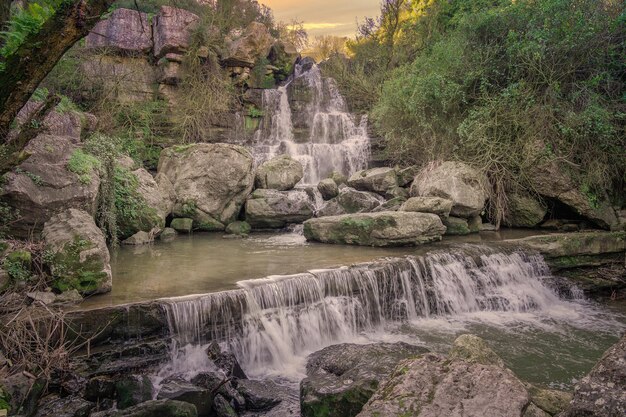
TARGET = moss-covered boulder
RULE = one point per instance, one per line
(78, 256)
(341, 378)
(524, 211)
(328, 188)
(387, 228)
(239, 228)
(281, 173)
(455, 226)
(182, 225)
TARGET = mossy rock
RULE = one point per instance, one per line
(71, 271)
(133, 212)
(133, 390)
(182, 225)
(239, 228)
(456, 226)
(17, 265)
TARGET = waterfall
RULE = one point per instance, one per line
(332, 139)
(272, 323)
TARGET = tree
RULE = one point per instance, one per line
(326, 46)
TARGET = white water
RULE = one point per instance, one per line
(335, 141)
(272, 324)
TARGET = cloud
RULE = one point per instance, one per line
(315, 26)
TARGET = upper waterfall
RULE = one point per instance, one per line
(308, 119)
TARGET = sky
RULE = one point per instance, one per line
(324, 17)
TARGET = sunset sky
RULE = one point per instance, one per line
(324, 17)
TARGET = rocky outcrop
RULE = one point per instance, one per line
(44, 184)
(211, 181)
(524, 211)
(125, 31)
(60, 121)
(455, 181)
(172, 30)
(80, 259)
(376, 229)
(253, 44)
(439, 206)
(603, 391)
(377, 180)
(341, 378)
(281, 173)
(275, 209)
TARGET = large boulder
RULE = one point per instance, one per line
(80, 257)
(44, 184)
(436, 205)
(341, 378)
(455, 181)
(275, 209)
(378, 180)
(524, 211)
(328, 188)
(387, 228)
(603, 391)
(252, 45)
(211, 181)
(353, 201)
(171, 29)
(160, 197)
(281, 173)
(125, 31)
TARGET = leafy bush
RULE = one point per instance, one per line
(84, 165)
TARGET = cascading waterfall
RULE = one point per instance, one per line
(335, 142)
(272, 323)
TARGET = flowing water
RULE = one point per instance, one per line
(332, 139)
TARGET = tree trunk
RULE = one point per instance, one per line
(5, 13)
(38, 55)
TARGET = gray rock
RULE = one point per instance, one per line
(153, 408)
(353, 201)
(281, 173)
(534, 411)
(391, 205)
(71, 406)
(439, 206)
(201, 398)
(67, 123)
(5, 279)
(140, 238)
(42, 297)
(168, 234)
(549, 401)
(388, 228)
(81, 259)
(253, 44)
(341, 378)
(182, 225)
(407, 175)
(125, 31)
(222, 407)
(378, 180)
(473, 349)
(158, 196)
(475, 224)
(456, 226)
(210, 181)
(259, 395)
(132, 390)
(128, 79)
(328, 188)
(395, 192)
(331, 208)
(456, 181)
(603, 391)
(488, 227)
(239, 228)
(172, 29)
(524, 211)
(275, 209)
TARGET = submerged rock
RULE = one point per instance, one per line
(281, 173)
(275, 209)
(387, 228)
(140, 238)
(341, 378)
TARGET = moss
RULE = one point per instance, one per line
(83, 165)
(18, 265)
(181, 148)
(70, 272)
(239, 228)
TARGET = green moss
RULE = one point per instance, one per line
(181, 148)
(18, 265)
(70, 272)
(83, 165)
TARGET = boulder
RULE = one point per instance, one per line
(281, 173)
(378, 180)
(524, 211)
(602, 392)
(59, 121)
(131, 390)
(201, 398)
(275, 209)
(475, 224)
(171, 29)
(473, 349)
(168, 234)
(407, 175)
(397, 191)
(341, 378)
(330, 208)
(239, 228)
(80, 257)
(391, 205)
(328, 188)
(44, 185)
(125, 31)
(252, 45)
(455, 226)
(283, 55)
(210, 181)
(140, 238)
(436, 205)
(338, 177)
(456, 181)
(70, 406)
(182, 225)
(353, 201)
(387, 228)
(259, 395)
(160, 408)
(158, 196)
(549, 401)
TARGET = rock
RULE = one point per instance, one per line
(171, 29)
(341, 378)
(328, 188)
(59, 122)
(140, 238)
(602, 392)
(407, 175)
(133, 389)
(42, 297)
(455, 181)
(71, 406)
(353, 201)
(21, 392)
(239, 228)
(378, 180)
(158, 196)
(487, 227)
(127, 79)
(171, 72)
(456, 226)
(223, 408)
(275, 209)
(226, 361)
(5, 279)
(439, 206)
(280, 173)
(391, 205)
(153, 408)
(376, 229)
(43, 184)
(473, 349)
(182, 225)
(524, 211)
(433, 386)
(283, 55)
(397, 191)
(100, 388)
(80, 257)
(125, 31)
(338, 177)
(475, 224)
(211, 180)
(534, 411)
(168, 234)
(201, 398)
(259, 395)
(331, 208)
(549, 401)
(253, 44)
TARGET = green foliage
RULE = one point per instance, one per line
(255, 112)
(132, 212)
(70, 272)
(18, 265)
(36, 179)
(84, 165)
